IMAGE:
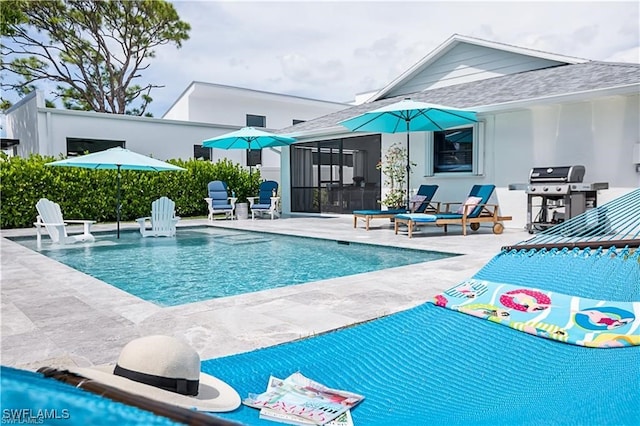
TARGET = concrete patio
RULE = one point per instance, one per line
(53, 315)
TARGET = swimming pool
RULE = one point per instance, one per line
(206, 263)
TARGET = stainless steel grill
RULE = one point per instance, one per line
(556, 194)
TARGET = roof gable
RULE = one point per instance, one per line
(463, 59)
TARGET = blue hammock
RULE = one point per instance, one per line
(429, 365)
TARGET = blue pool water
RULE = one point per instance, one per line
(206, 263)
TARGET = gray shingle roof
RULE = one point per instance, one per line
(559, 80)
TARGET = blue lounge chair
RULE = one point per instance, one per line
(421, 201)
(219, 201)
(268, 201)
(473, 211)
(431, 365)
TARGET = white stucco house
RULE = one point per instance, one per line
(203, 111)
(535, 109)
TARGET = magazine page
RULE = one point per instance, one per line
(343, 419)
(300, 396)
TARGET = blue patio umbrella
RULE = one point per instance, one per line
(247, 138)
(117, 159)
(410, 116)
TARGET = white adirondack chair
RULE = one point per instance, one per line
(50, 218)
(163, 219)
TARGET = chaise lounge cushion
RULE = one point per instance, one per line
(421, 217)
(469, 204)
(416, 201)
(379, 212)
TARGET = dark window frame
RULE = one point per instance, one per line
(254, 157)
(254, 120)
(453, 150)
(200, 151)
(79, 146)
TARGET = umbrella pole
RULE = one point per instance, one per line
(118, 205)
(408, 164)
(249, 155)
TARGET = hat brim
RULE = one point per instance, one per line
(214, 395)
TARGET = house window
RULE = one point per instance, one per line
(297, 121)
(81, 146)
(254, 157)
(256, 120)
(453, 150)
(201, 153)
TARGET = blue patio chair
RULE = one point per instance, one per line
(432, 365)
(473, 211)
(219, 201)
(268, 200)
(419, 203)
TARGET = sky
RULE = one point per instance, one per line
(333, 50)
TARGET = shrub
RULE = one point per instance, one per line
(91, 194)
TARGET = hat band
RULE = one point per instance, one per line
(181, 386)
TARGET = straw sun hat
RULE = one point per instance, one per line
(165, 369)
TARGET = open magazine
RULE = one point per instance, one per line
(302, 401)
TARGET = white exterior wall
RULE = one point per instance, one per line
(180, 109)
(212, 103)
(22, 123)
(234, 110)
(162, 139)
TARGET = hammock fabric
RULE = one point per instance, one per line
(430, 365)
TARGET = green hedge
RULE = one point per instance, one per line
(91, 194)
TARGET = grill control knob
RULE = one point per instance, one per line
(558, 188)
(545, 189)
(532, 189)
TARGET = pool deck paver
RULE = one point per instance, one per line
(53, 315)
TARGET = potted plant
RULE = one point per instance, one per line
(394, 169)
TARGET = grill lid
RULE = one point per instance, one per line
(562, 174)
